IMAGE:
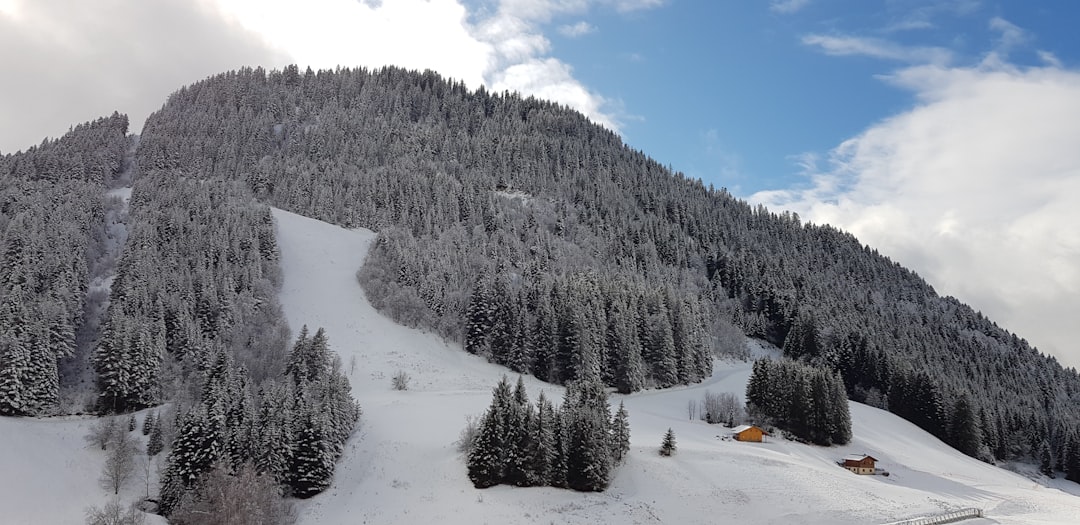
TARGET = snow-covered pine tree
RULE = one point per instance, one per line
(148, 423)
(587, 418)
(520, 439)
(620, 434)
(311, 465)
(964, 432)
(478, 318)
(544, 426)
(668, 446)
(274, 429)
(155, 441)
(196, 448)
(487, 457)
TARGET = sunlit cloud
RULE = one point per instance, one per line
(84, 60)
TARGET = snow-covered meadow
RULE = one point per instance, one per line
(402, 466)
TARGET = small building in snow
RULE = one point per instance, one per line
(859, 463)
(748, 433)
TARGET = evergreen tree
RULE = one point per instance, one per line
(668, 446)
(311, 464)
(620, 434)
(964, 432)
(155, 442)
(544, 429)
(195, 450)
(487, 456)
(149, 423)
(587, 417)
(521, 440)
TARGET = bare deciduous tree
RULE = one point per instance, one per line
(120, 462)
(401, 380)
(467, 437)
(692, 409)
(113, 513)
(722, 408)
(246, 498)
(102, 432)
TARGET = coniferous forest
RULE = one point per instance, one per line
(514, 226)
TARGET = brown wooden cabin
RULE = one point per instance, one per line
(748, 433)
(860, 463)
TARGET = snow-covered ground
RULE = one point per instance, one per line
(50, 474)
(402, 467)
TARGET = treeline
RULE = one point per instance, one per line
(51, 228)
(465, 184)
(808, 402)
(585, 327)
(575, 446)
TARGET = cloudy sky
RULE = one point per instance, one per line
(945, 133)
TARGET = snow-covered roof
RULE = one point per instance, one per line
(742, 428)
(858, 457)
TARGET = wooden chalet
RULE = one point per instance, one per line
(860, 463)
(748, 433)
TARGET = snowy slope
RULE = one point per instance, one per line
(402, 467)
(50, 474)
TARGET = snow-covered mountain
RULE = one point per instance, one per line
(402, 466)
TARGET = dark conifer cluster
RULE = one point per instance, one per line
(293, 430)
(808, 402)
(575, 446)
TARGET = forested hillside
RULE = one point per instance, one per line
(52, 208)
(194, 321)
(543, 242)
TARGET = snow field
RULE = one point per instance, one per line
(402, 468)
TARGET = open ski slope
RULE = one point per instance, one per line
(402, 467)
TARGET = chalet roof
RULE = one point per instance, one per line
(742, 428)
(858, 457)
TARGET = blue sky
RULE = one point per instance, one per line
(729, 92)
(943, 133)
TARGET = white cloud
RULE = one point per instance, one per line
(1011, 34)
(976, 188)
(787, 7)
(80, 61)
(581, 28)
(502, 49)
(416, 34)
(877, 48)
(1049, 59)
(553, 80)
